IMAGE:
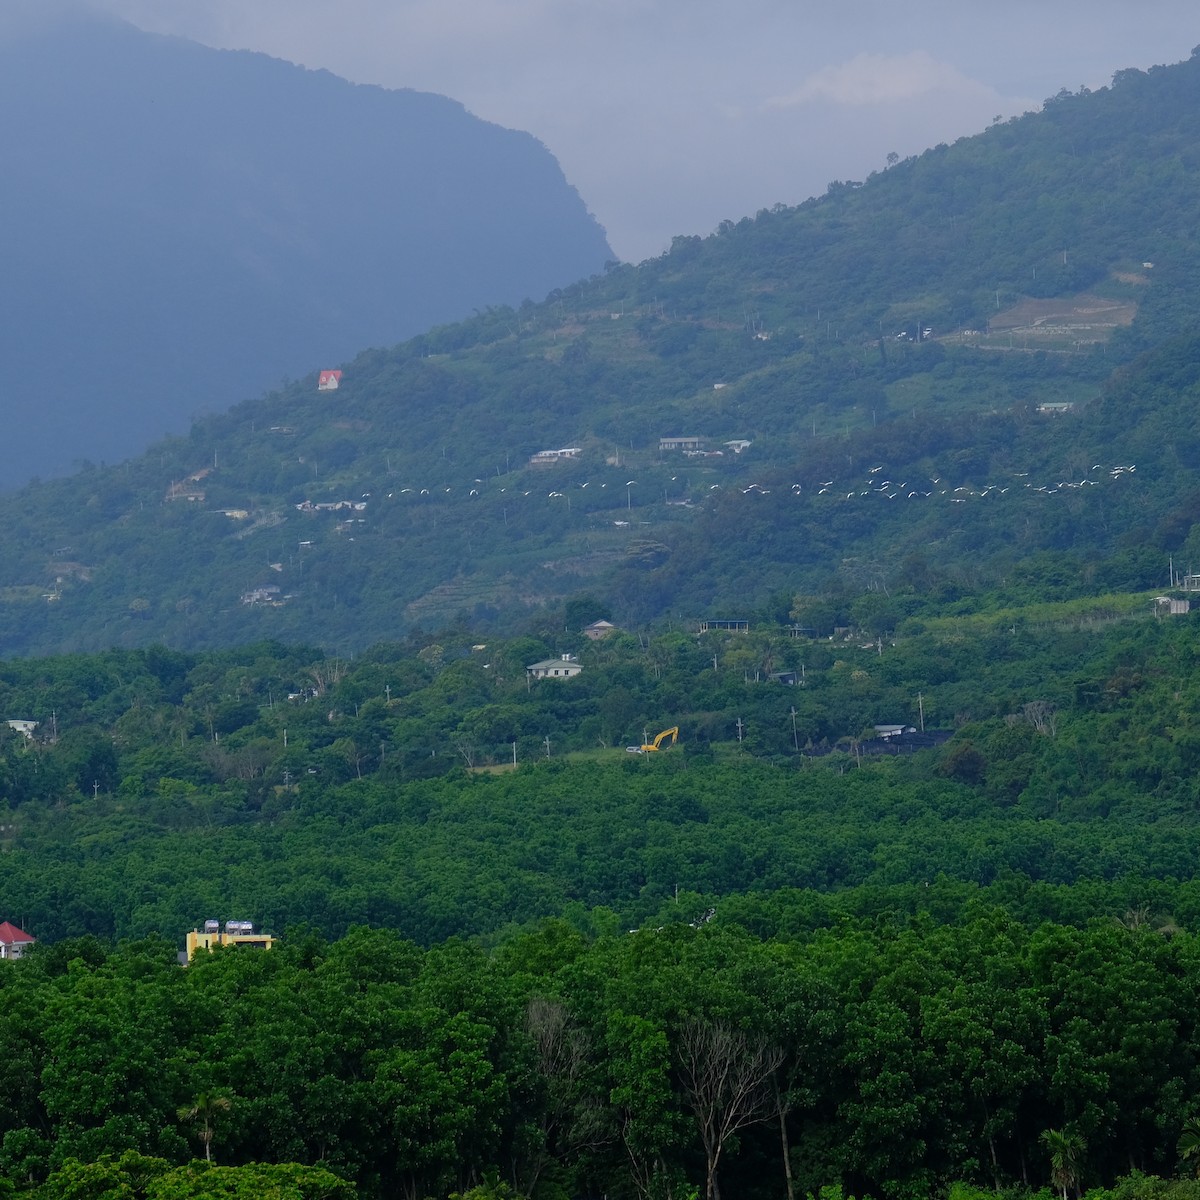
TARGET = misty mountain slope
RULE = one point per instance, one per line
(185, 226)
(915, 382)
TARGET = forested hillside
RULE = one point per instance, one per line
(301, 788)
(937, 369)
(188, 226)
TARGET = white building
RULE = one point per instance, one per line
(565, 667)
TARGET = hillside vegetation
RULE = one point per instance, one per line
(307, 789)
(783, 331)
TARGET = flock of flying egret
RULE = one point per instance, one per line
(926, 489)
(900, 488)
(475, 491)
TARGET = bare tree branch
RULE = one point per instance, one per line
(726, 1078)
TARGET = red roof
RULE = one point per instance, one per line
(10, 935)
(328, 377)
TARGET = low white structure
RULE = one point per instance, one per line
(1162, 604)
(268, 594)
(565, 667)
(547, 458)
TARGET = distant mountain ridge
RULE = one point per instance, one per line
(185, 226)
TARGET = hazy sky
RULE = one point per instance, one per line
(670, 116)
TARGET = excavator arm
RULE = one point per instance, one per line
(672, 733)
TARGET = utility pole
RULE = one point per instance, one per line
(740, 727)
(514, 746)
(547, 740)
(921, 708)
(795, 737)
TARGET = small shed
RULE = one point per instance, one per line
(329, 381)
(887, 732)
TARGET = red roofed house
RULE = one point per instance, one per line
(328, 381)
(13, 940)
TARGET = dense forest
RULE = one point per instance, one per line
(783, 956)
(890, 1054)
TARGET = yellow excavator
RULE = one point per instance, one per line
(657, 744)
